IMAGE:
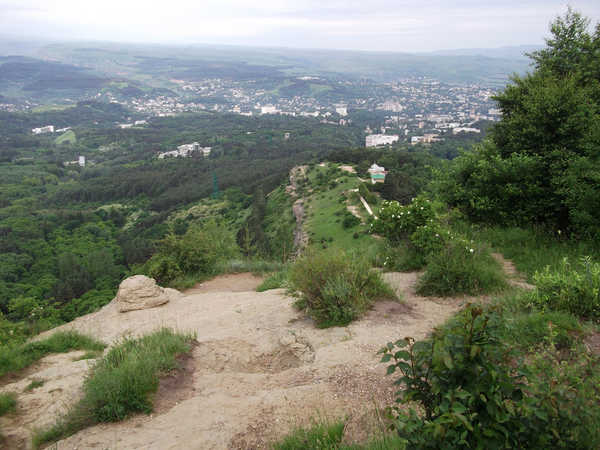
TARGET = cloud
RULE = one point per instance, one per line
(374, 25)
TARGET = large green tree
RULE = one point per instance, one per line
(542, 164)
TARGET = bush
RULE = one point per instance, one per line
(572, 289)
(8, 402)
(198, 251)
(334, 287)
(350, 220)
(461, 269)
(471, 397)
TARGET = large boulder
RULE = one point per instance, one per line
(141, 292)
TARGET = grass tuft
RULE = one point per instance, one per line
(329, 436)
(14, 359)
(336, 287)
(34, 385)
(122, 382)
(459, 270)
(8, 402)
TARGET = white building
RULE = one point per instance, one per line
(125, 125)
(342, 110)
(375, 140)
(377, 173)
(140, 122)
(425, 139)
(81, 161)
(465, 130)
(268, 109)
(186, 150)
(42, 130)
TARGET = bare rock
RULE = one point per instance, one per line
(141, 292)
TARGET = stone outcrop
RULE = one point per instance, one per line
(141, 292)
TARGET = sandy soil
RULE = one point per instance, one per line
(259, 369)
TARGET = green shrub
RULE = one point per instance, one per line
(198, 251)
(15, 358)
(572, 289)
(460, 269)
(335, 287)
(470, 395)
(350, 220)
(397, 222)
(8, 402)
(122, 382)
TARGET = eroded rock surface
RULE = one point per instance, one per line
(141, 292)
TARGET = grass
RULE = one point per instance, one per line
(274, 281)
(8, 402)
(325, 212)
(14, 359)
(456, 270)
(93, 354)
(329, 436)
(68, 137)
(34, 385)
(532, 249)
(335, 287)
(122, 383)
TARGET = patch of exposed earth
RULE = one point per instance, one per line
(259, 369)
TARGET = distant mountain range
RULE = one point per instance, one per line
(47, 67)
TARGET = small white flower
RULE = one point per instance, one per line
(471, 250)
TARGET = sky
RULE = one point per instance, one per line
(374, 25)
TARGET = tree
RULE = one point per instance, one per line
(543, 161)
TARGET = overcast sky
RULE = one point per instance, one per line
(389, 25)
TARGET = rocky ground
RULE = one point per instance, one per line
(260, 368)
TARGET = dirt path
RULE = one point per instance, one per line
(515, 278)
(259, 369)
(238, 282)
(300, 235)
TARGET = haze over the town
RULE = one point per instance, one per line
(380, 25)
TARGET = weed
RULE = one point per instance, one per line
(571, 288)
(34, 385)
(8, 402)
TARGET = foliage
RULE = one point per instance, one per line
(398, 222)
(542, 164)
(8, 402)
(461, 269)
(122, 382)
(572, 289)
(531, 249)
(335, 287)
(15, 358)
(471, 397)
(196, 252)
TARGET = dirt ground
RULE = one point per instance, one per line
(259, 369)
